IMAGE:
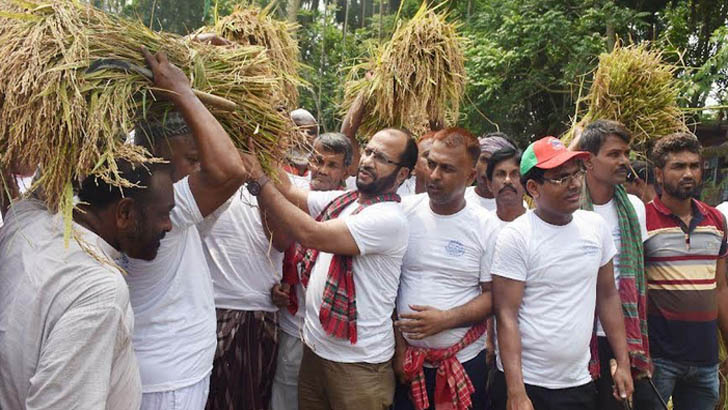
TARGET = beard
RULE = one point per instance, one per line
(378, 185)
(678, 192)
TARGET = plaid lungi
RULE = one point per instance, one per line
(245, 360)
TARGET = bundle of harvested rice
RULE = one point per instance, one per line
(252, 26)
(634, 86)
(74, 124)
(418, 76)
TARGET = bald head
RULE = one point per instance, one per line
(305, 121)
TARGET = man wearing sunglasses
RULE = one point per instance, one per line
(351, 263)
(552, 268)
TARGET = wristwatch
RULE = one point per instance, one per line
(254, 187)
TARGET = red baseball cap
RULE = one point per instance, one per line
(548, 153)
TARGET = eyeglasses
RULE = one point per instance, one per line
(379, 157)
(578, 175)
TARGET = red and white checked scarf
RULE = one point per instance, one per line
(452, 385)
(338, 309)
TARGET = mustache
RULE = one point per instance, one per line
(511, 187)
(368, 170)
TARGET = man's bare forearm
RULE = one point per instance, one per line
(471, 313)
(509, 345)
(609, 309)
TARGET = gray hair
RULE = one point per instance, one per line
(337, 143)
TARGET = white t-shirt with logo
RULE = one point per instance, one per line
(243, 263)
(380, 232)
(444, 265)
(174, 308)
(559, 265)
(608, 211)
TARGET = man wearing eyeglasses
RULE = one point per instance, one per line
(351, 263)
(607, 167)
(552, 268)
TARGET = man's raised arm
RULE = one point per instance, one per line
(221, 169)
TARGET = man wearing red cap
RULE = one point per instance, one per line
(552, 268)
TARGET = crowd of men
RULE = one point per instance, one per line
(405, 274)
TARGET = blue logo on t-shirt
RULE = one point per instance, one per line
(455, 248)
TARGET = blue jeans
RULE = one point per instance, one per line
(691, 387)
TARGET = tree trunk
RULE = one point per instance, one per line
(611, 37)
(381, 19)
(292, 8)
(346, 23)
(322, 62)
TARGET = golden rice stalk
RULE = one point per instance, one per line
(253, 26)
(418, 76)
(74, 124)
(634, 86)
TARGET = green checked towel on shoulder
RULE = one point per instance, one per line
(632, 286)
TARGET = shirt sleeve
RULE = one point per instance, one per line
(639, 209)
(317, 200)
(490, 236)
(74, 367)
(510, 255)
(185, 211)
(608, 247)
(378, 229)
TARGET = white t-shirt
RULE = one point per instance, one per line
(408, 187)
(303, 182)
(243, 263)
(723, 207)
(444, 265)
(351, 183)
(292, 324)
(175, 333)
(380, 232)
(559, 265)
(65, 319)
(473, 197)
(608, 211)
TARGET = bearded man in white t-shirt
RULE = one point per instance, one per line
(352, 260)
(444, 294)
(552, 270)
(172, 297)
(329, 165)
(607, 168)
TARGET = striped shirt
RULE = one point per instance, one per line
(680, 265)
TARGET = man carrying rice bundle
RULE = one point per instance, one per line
(172, 295)
(66, 313)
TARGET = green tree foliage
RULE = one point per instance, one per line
(527, 60)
